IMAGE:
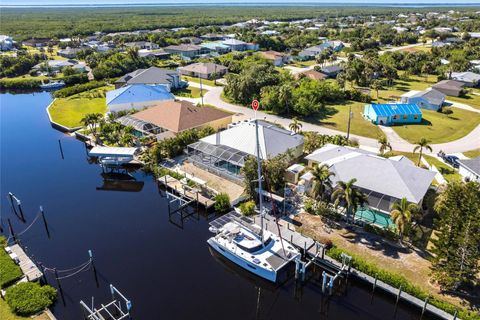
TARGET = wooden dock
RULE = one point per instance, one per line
(29, 269)
(185, 191)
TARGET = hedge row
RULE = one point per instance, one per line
(9, 271)
(77, 88)
(20, 84)
(396, 280)
(28, 298)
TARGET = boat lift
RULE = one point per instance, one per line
(119, 308)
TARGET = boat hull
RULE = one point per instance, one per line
(269, 275)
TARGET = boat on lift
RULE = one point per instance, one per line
(52, 85)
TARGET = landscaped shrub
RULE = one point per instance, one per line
(385, 233)
(20, 84)
(76, 78)
(397, 280)
(9, 271)
(28, 298)
(248, 208)
(222, 203)
(77, 88)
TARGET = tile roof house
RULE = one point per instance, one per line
(391, 114)
(470, 169)
(470, 79)
(449, 87)
(430, 99)
(137, 96)
(314, 75)
(204, 70)
(385, 181)
(178, 116)
(278, 59)
(152, 75)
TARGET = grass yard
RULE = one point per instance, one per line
(10, 272)
(410, 155)
(70, 111)
(303, 64)
(6, 314)
(426, 48)
(337, 118)
(447, 172)
(472, 98)
(210, 83)
(190, 92)
(438, 127)
(472, 153)
(403, 86)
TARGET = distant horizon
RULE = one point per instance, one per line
(128, 3)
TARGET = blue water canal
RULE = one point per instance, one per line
(167, 271)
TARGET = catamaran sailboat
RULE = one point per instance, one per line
(251, 246)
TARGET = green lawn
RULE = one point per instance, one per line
(190, 92)
(472, 98)
(6, 314)
(472, 153)
(197, 80)
(447, 172)
(410, 155)
(438, 127)
(337, 119)
(70, 111)
(10, 272)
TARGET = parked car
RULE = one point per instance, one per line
(450, 159)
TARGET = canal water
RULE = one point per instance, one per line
(166, 269)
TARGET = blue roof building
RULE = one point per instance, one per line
(391, 114)
(137, 96)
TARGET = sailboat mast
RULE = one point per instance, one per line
(259, 173)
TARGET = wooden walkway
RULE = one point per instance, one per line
(185, 191)
(29, 269)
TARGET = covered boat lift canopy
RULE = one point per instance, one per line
(112, 152)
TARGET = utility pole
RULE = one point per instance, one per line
(350, 116)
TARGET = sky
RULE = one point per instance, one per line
(93, 2)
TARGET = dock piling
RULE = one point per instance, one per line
(424, 307)
(11, 230)
(44, 222)
(90, 254)
(61, 149)
(11, 196)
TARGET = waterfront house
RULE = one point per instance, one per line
(152, 75)
(278, 59)
(186, 51)
(55, 66)
(391, 114)
(204, 70)
(468, 78)
(470, 169)
(6, 43)
(383, 180)
(137, 96)
(225, 152)
(430, 99)
(216, 47)
(449, 87)
(170, 117)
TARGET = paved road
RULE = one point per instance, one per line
(468, 142)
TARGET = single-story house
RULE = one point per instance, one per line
(225, 152)
(278, 59)
(69, 53)
(312, 74)
(391, 114)
(470, 169)
(186, 50)
(238, 45)
(157, 54)
(37, 42)
(470, 79)
(152, 75)
(430, 99)
(383, 180)
(142, 45)
(6, 43)
(216, 46)
(55, 65)
(204, 70)
(175, 117)
(137, 96)
(212, 36)
(311, 52)
(449, 87)
(332, 71)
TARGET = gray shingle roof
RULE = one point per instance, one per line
(471, 164)
(431, 95)
(152, 75)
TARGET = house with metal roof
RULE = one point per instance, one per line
(153, 75)
(204, 70)
(430, 99)
(238, 45)
(216, 47)
(391, 114)
(383, 180)
(137, 96)
(470, 169)
(225, 152)
(186, 51)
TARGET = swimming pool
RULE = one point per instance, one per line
(372, 216)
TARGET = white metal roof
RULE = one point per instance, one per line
(112, 152)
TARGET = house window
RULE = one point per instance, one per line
(405, 117)
(395, 117)
(415, 116)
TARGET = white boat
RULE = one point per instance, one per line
(52, 85)
(250, 246)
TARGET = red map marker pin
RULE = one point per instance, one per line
(255, 104)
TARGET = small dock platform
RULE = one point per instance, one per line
(185, 191)
(29, 269)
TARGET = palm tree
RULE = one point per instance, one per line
(419, 145)
(321, 181)
(295, 125)
(384, 144)
(285, 96)
(352, 197)
(132, 52)
(401, 214)
(376, 85)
